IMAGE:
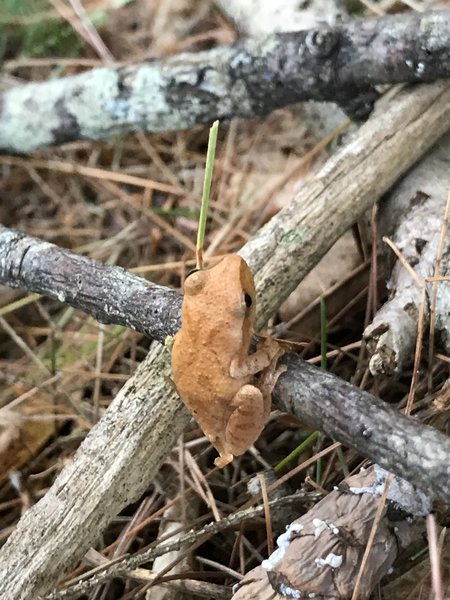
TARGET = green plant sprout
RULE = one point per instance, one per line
(309, 441)
(209, 168)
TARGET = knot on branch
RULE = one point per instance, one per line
(321, 42)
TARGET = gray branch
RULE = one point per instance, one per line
(357, 419)
(375, 429)
(411, 215)
(252, 77)
(257, 18)
(110, 294)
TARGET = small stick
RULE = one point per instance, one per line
(420, 282)
(433, 545)
(373, 532)
(434, 289)
(323, 333)
(210, 154)
(265, 497)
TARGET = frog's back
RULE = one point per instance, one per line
(204, 384)
(218, 315)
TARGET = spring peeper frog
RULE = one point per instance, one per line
(211, 366)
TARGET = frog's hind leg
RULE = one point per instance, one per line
(246, 421)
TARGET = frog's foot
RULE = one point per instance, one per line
(267, 352)
(223, 460)
(269, 377)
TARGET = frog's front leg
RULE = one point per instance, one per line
(250, 411)
(267, 351)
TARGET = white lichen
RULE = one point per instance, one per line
(289, 592)
(283, 542)
(331, 560)
(321, 526)
(401, 493)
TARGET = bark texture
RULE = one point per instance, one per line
(349, 183)
(412, 215)
(110, 294)
(359, 420)
(331, 539)
(253, 77)
(257, 18)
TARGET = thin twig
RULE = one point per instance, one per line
(420, 282)
(268, 516)
(434, 289)
(418, 351)
(91, 35)
(433, 545)
(130, 563)
(373, 532)
(94, 172)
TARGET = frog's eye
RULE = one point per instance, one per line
(248, 300)
(192, 271)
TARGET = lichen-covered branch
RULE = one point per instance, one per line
(411, 215)
(110, 294)
(320, 554)
(253, 77)
(256, 18)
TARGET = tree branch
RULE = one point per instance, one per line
(110, 294)
(344, 412)
(410, 215)
(112, 467)
(355, 177)
(126, 565)
(55, 532)
(361, 421)
(252, 77)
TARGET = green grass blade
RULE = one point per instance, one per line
(209, 168)
(300, 448)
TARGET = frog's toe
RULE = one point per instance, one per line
(223, 460)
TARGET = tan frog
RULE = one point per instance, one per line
(211, 366)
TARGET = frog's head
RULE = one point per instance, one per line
(222, 295)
